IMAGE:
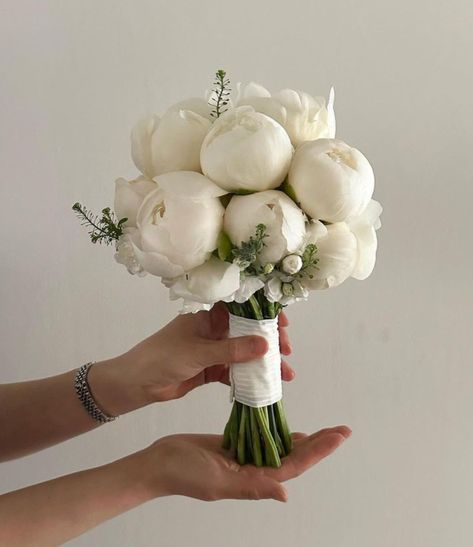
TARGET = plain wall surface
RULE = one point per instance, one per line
(389, 356)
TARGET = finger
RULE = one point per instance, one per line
(284, 344)
(342, 429)
(219, 320)
(231, 350)
(252, 485)
(283, 321)
(306, 453)
(287, 372)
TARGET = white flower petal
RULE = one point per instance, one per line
(140, 144)
(248, 286)
(156, 264)
(128, 197)
(252, 89)
(315, 230)
(367, 246)
(212, 281)
(337, 254)
(189, 184)
(273, 290)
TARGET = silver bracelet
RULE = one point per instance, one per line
(85, 396)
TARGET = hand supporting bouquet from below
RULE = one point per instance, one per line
(249, 201)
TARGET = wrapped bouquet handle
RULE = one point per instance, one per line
(258, 382)
(257, 430)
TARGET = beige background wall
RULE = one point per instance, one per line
(391, 356)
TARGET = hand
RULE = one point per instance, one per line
(191, 350)
(198, 467)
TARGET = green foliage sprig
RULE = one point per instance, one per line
(246, 254)
(105, 229)
(221, 94)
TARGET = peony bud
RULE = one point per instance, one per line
(287, 289)
(246, 151)
(173, 142)
(331, 180)
(291, 264)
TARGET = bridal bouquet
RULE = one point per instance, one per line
(249, 200)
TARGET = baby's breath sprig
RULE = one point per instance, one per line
(105, 229)
(246, 254)
(221, 94)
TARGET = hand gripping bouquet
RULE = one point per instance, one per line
(251, 201)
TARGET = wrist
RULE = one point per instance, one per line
(147, 468)
(115, 386)
(140, 480)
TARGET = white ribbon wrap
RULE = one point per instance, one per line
(258, 382)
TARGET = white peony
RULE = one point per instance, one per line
(179, 224)
(246, 151)
(203, 286)
(331, 180)
(305, 118)
(173, 142)
(284, 221)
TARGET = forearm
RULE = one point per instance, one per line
(53, 512)
(41, 413)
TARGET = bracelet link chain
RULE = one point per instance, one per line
(82, 388)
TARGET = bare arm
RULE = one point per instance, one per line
(39, 413)
(53, 512)
(188, 352)
(197, 466)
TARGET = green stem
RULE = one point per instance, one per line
(282, 426)
(274, 430)
(233, 428)
(241, 449)
(255, 439)
(255, 307)
(271, 451)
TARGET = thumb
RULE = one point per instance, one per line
(261, 487)
(233, 350)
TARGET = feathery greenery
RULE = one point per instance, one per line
(102, 229)
(221, 94)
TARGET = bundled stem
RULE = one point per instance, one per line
(259, 436)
